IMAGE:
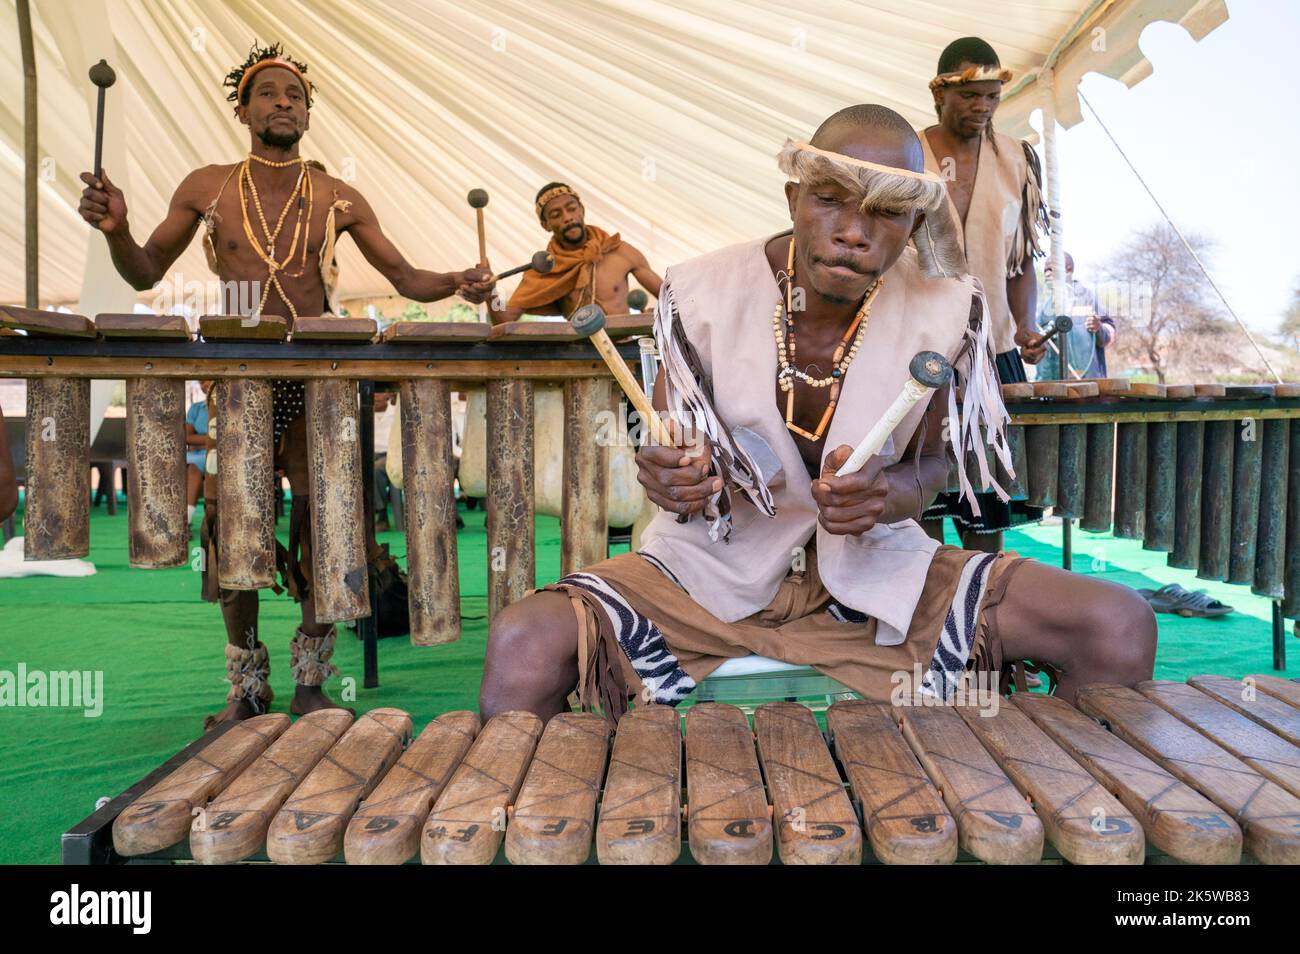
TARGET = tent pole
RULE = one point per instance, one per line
(30, 153)
(1047, 79)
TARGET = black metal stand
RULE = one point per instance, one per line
(1279, 637)
(1067, 550)
(368, 628)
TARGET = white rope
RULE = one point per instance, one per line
(1190, 250)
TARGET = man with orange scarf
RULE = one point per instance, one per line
(590, 264)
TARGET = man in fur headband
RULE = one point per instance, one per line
(590, 265)
(995, 197)
(783, 351)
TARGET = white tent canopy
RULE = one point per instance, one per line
(665, 115)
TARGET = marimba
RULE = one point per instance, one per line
(156, 354)
(1204, 772)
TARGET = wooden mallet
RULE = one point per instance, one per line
(589, 322)
(930, 371)
(102, 75)
(478, 199)
(541, 263)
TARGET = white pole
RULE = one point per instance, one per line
(1047, 79)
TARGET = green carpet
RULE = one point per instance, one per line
(159, 648)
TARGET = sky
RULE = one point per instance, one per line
(1213, 132)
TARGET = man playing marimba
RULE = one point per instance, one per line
(590, 264)
(995, 195)
(789, 561)
(270, 225)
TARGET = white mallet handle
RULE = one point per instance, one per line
(913, 391)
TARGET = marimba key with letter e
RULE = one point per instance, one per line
(814, 817)
(641, 809)
(555, 812)
(309, 829)
(162, 816)
(234, 824)
(994, 821)
(1176, 818)
(469, 817)
(905, 817)
(727, 816)
(386, 828)
(1269, 816)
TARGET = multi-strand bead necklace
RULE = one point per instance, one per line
(301, 196)
(786, 352)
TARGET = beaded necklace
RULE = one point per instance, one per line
(786, 352)
(301, 196)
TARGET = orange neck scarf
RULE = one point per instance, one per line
(574, 270)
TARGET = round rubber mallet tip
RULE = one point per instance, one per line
(587, 320)
(637, 299)
(477, 198)
(1064, 323)
(543, 262)
(102, 75)
(931, 369)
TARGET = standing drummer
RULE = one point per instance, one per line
(590, 265)
(270, 223)
(785, 350)
(995, 193)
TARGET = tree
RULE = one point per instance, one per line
(1289, 331)
(1158, 292)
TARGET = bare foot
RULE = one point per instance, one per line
(236, 711)
(310, 698)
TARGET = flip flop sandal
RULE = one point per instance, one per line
(1200, 603)
(1164, 599)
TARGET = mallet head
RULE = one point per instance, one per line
(543, 262)
(588, 320)
(477, 198)
(1063, 324)
(930, 369)
(102, 75)
(637, 299)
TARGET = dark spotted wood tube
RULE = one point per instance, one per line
(1291, 565)
(584, 529)
(1189, 471)
(428, 472)
(1270, 544)
(1130, 479)
(1043, 446)
(510, 501)
(341, 582)
(158, 534)
(1247, 449)
(1216, 500)
(1162, 486)
(56, 522)
(245, 484)
(1099, 478)
(1070, 497)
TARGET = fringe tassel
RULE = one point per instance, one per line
(982, 408)
(690, 403)
(1033, 215)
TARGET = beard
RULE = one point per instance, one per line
(276, 139)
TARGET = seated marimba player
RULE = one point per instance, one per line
(785, 351)
(590, 265)
(270, 225)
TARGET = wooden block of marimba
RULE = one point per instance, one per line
(1264, 705)
(469, 816)
(236, 328)
(328, 328)
(234, 824)
(905, 818)
(1057, 390)
(1085, 822)
(1110, 386)
(815, 820)
(1176, 818)
(641, 811)
(1180, 391)
(52, 324)
(1239, 391)
(1286, 390)
(1288, 690)
(994, 822)
(309, 828)
(143, 327)
(555, 812)
(1269, 816)
(436, 332)
(162, 815)
(1268, 754)
(727, 818)
(386, 828)
(1018, 391)
(1209, 390)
